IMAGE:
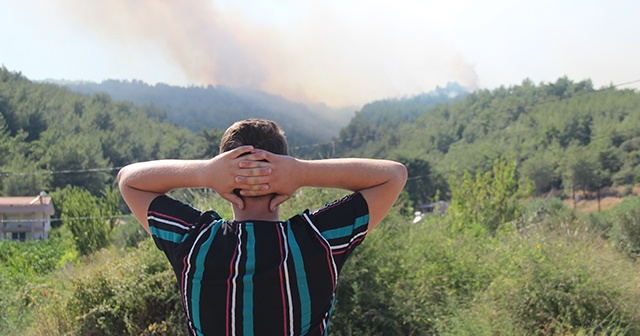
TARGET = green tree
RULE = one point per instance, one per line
(580, 169)
(423, 184)
(91, 219)
(484, 202)
(541, 169)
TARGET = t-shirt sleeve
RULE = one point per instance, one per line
(172, 222)
(344, 224)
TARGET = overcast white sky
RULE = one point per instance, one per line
(340, 52)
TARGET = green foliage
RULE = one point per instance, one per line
(562, 132)
(554, 285)
(134, 294)
(485, 202)
(424, 184)
(22, 267)
(551, 275)
(128, 234)
(424, 279)
(45, 128)
(198, 108)
(90, 219)
(626, 227)
(32, 257)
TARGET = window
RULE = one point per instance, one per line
(21, 236)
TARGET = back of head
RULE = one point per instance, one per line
(259, 133)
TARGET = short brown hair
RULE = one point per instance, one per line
(259, 133)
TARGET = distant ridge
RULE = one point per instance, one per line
(199, 107)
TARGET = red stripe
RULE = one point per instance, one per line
(341, 251)
(170, 217)
(329, 263)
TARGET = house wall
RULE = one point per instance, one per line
(15, 226)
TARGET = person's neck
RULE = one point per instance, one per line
(256, 208)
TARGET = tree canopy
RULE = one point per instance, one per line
(562, 134)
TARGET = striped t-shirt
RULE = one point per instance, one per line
(258, 277)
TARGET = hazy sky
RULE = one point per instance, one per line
(339, 52)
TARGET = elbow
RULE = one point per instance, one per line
(122, 177)
(401, 173)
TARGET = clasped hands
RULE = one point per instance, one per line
(255, 172)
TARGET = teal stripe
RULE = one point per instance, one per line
(347, 230)
(333, 304)
(247, 281)
(196, 284)
(167, 235)
(301, 277)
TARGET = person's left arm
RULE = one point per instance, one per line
(140, 183)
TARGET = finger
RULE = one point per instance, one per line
(276, 201)
(237, 152)
(270, 157)
(261, 171)
(253, 164)
(248, 181)
(233, 198)
(256, 155)
(256, 192)
(256, 188)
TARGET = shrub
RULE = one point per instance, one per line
(132, 295)
(482, 203)
(626, 227)
(89, 218)
(554, 284)
(128, 234)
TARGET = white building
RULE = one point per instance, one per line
(24, 218)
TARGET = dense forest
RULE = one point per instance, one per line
(218, 107)
(46, 131)
(498, 261)
(563, 135)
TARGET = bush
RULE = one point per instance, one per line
(484, 202)
(33, 257)
(132, 295)
(625, 232)
(23, 268)
(554, 282)
(89, 218)
(128, 234)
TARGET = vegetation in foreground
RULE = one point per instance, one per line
(543, 270)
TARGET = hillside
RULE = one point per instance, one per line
(51, 137)
(218, 107)
(563, 135)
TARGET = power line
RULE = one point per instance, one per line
(68, 171)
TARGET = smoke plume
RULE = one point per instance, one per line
(318, 55)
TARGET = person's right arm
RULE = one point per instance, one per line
(140, 183)
(379, 181)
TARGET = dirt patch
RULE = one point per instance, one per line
(609, 198)
(589, 205)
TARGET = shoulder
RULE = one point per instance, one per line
(349, 213)
(165, 210)
(347, 206)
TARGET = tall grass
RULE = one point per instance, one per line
(547, 272)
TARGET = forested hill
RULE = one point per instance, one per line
(218, 107)
(51, 137)
(563, 134)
